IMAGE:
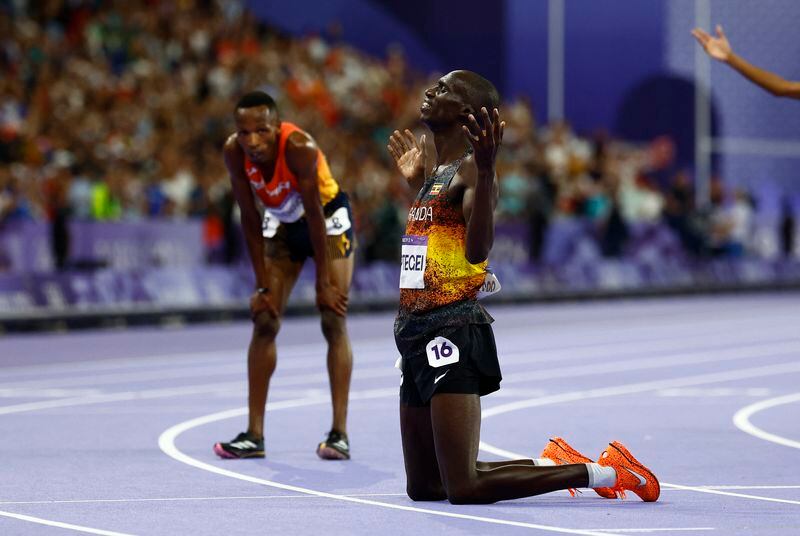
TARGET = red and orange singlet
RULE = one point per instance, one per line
(281, 194)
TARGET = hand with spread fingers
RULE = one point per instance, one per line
(485, 141)
(720, 49)
(330, 297)
(409, 154)
(259, 303)
(717, 47)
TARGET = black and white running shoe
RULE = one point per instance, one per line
(242, 446)
(334, 447)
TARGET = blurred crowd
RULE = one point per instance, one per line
(117, 110)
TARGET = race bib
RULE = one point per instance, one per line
(270, 224)
(338, 222)
(491, 285)
(441, 351)
(414, 256)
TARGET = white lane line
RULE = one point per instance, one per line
(292, 359)
(296, 356)
(277, 405)
(289, 496)
(705, 355)
(717, 392)
(742, 419)
(510, 357)
(694, 357)
(168, 437)
(659, 529)
(119, 363)
(386, 371)
(753, 372)
(190, 499)
(730, 493)
(166, 392)
(491, 449)
(630, 347)
(61, 525)
(744, 487)
(640, 387)
(308, 353)
(374, 393)
(312, 349)
(27, 392)
(671, 529)
(119, 397)
(166, 443)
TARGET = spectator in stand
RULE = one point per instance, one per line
(730, 224)
(137, 94)
(788, 229)
(679, 214)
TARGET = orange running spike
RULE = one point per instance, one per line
(632, 475)
(562, 453)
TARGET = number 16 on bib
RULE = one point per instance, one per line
(441, 351)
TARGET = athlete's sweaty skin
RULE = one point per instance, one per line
(440, 442)
(256, 138)
(720, 49)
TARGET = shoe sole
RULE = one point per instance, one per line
(606, 493)
(222, 453)
(328, 453)
(619, 447)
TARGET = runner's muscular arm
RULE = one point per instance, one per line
(251, 218)
(778, 86)
(478, 202)
(301, 156)
(720, 49)
(773, 83)
(251, 222)
(481, 189)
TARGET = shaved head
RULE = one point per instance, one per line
(455, 96)
(477, 91)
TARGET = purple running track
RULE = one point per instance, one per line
(111, 432)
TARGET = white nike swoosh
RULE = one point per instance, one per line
(437, 378)
(642, 480)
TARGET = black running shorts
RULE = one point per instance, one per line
(464, 361)
(292, 240)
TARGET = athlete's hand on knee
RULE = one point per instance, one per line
(330, 297)
(485, 141)
(408, 153)
(259, 303)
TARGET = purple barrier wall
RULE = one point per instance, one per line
(25, 246)
(161, 265)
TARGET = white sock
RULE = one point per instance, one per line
(543, 461)
(601, 476)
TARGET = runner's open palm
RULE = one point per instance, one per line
(717, 47)
(409, 154)
(485, 140)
